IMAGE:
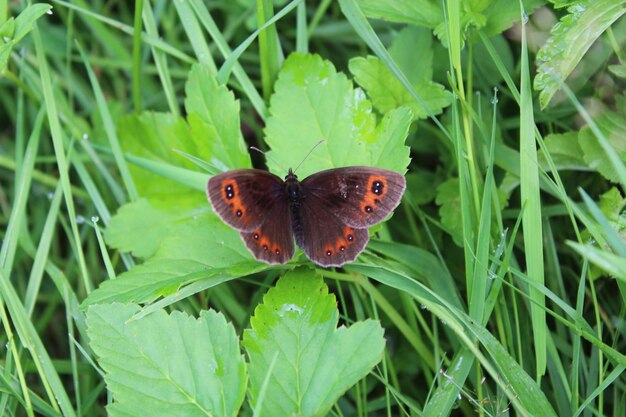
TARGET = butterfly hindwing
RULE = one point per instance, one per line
(244, 198)
(359, 196)
(325, 239)
(272, 242)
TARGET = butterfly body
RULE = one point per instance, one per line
(328, 213)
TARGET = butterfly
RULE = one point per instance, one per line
(328, 212)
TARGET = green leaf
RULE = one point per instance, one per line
(497, 16)
(164, 365)
(490, 16)
(139, 227)
(563, 149)
(612, 205)
(315, 362)
(155, 136)
(449, 202)
(313, 102)
(416, 12)
(214, 117)
(189, 249)
(613, 126)
(569, 41)
(387, 92)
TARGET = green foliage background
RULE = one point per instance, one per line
(498, 287)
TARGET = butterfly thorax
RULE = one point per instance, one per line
(295, 196)
(293, 189)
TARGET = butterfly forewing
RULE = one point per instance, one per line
(244, 198)
(359, 196)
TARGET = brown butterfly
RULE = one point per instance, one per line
(328, 212)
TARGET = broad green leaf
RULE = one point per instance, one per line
(190, 248)
(416, 12)
(214, 117)
(313, 102)
(612, 205)
(165, 365)
(613, 126)
(139, 227)
(449, 202)
(490, 16)
(564, 151)
(570, 39)
(387, 92)
(155, 136)
(315, 362)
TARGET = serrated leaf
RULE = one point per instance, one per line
(165, 365)
(214, 116)
(612, 205)
(569, 41)
(155, 136)
(139, 226)
(315, 362)
(499, 15)
(490, 16)
(415, 12)
(449, 203)
(387, 92)
(198, 247)
(564, 151)
(313, 102)
(613, 126)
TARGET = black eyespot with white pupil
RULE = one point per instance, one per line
(350, 238)
(265, 248)
(342, 248)
(377, 187)
(239, 213)
(368, 209)
(256, 236)
(277, 252)
(230, 193)
(329, 252)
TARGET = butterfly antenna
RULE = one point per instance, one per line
(309, 154)
(254, 148)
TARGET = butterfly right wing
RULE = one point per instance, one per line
(253, 202)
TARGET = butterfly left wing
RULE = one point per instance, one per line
(358, 196)
(272, 242)
(243, 198)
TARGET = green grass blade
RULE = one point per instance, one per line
(59, 151)
(531, 202)
(109, 127)
(137, 56)
(268, 47)
(160, 60)
(194, 34)
(243, 78)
